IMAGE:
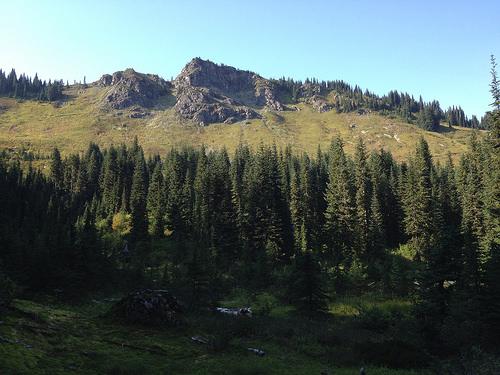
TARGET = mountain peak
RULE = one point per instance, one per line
(208, 92)
(128, 87)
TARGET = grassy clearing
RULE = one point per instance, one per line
(72, 124)
(53, 338)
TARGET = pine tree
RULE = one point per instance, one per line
(110, 183)
(186, 207)
(156, 202)
(363, 203)
(223, 230)
(305, 287)
(472, 224)
(490, 243)
(56, 169)
(201, 213)
(376, 239)
(139, 230)
(418, 204)
(494, 120)
(339, 214)
(296, 208)
(494, 85)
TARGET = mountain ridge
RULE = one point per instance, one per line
(209, 93)
(220, 106)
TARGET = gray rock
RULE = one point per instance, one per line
(319, 103)
(205, 107)
(138, 112)
(128, 88)
(148, 307)
(105, 80)
(209, 93)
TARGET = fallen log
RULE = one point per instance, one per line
(238, 311)
(200, 340)
(259, 352)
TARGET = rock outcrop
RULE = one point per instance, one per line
(208, 93)
(308, 90)
(206, 107)
(129, 88)
(311, 94)
(148, 307)
(319, 103)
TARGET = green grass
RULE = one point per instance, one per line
(71, 126)
(350, 306)
(53, 338)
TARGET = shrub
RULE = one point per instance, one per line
(264, 303)
(374, 318)
(381, 318)
(122, 223)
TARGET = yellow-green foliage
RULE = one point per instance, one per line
(80, 119)
(122, 223)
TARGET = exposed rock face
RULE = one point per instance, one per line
(311, 94)
(206, 107)
(128, 88)
(208, 93)
(105, 80)
(319, 103)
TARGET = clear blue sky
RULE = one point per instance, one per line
(439, 49)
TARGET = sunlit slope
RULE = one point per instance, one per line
(72, 124)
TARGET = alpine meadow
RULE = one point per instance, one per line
(234, 221)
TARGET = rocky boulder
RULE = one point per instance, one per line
(148, 307)
(128, 88)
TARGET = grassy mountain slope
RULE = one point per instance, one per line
(72, 123)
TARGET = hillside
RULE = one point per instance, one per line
(208, 104)
(248, 262)
(58, 338)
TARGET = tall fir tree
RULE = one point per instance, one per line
(339, 214)
(363, 197)
(156, 202)
(138, 200)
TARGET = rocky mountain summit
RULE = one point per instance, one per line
(207, 92)
(129, 88)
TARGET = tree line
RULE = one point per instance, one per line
(346, 98)
(426, 115)
(25, 87)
